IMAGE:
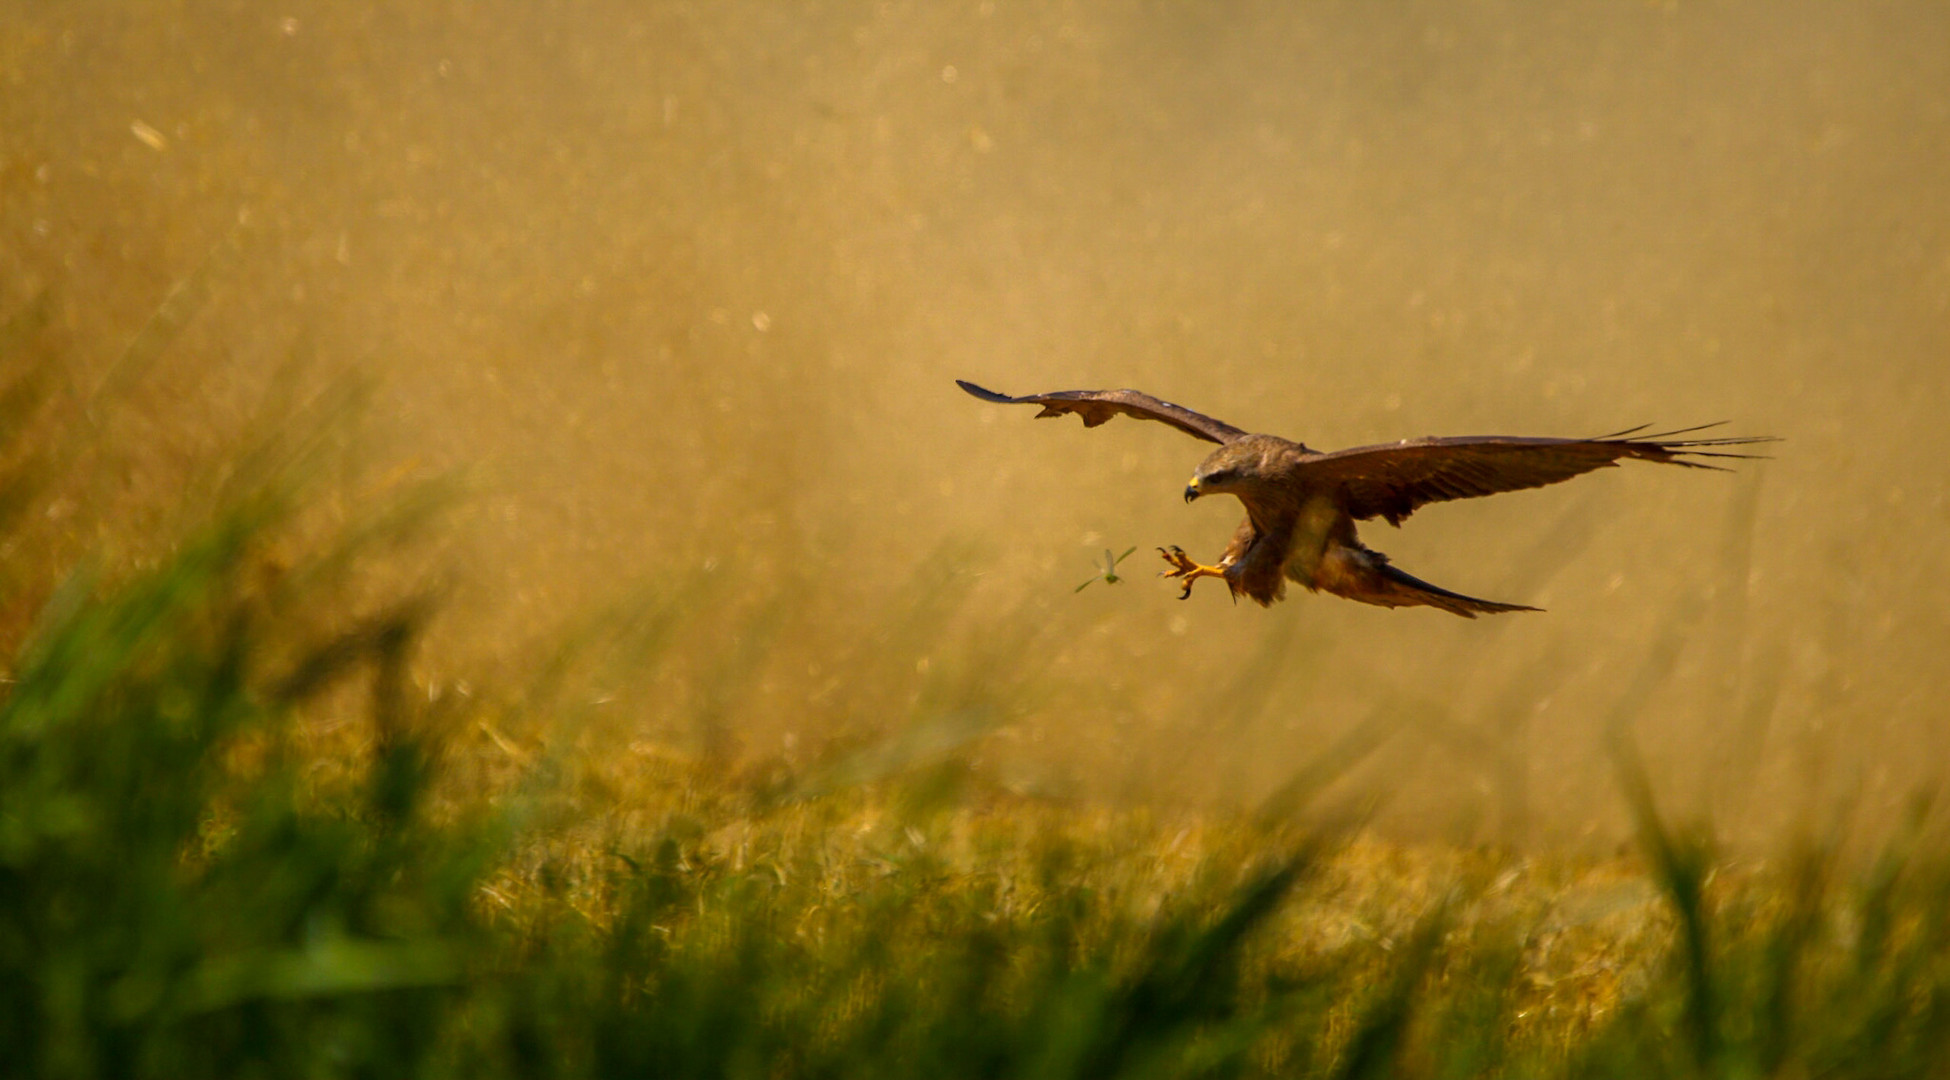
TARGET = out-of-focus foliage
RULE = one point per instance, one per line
(193, 883)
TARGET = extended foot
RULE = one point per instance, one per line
(1184, 567)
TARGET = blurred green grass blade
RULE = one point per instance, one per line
(1681, 864)
(330, 968)
(1340, 758)
(166, 322)
(924, 742)
(1379, 1037)
(1189, 978)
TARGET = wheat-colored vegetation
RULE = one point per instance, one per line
(496, 577)
(236, 839)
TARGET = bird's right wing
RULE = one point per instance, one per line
(1097, 406)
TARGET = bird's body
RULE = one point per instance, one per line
(1302, 505)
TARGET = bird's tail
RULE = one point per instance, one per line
(1360, 573)
(1400, 589)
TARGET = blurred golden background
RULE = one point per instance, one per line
(681, 290)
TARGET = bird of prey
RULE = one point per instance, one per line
(1301, 504)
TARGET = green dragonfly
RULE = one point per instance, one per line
(1108, 575)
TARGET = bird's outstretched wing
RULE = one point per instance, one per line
(1097, 406)
(1391, 480)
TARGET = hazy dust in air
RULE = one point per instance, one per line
(682, 290)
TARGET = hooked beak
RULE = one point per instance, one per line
(1191, 490)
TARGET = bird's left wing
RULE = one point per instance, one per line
(1097, 406)
(1391, 480)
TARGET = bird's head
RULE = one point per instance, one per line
(1230, 468)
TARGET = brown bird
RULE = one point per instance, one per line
(1301, 504)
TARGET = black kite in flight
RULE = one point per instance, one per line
(1301, 504)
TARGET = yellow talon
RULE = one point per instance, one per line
(1184, 567)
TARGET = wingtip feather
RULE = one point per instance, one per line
(983, 393)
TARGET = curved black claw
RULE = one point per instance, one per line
(1184, 567)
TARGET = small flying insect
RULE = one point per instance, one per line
(1108, 575)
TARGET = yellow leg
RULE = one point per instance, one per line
(1184, 567)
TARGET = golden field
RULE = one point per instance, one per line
(600, 360)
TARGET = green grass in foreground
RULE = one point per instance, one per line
(181, 896)
(194, 882)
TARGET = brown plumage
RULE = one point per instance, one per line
(1301, 504)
